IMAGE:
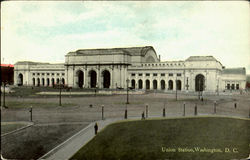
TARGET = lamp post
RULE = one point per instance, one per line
(126, 113)
(60, 93)
(214, 107)
(102, 112)
(127, 90)
(4, 84)
(176, 88)
(199, 83)
(184, 109)
(31, 113)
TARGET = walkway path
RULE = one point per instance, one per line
(68, 148)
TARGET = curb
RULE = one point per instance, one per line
(51, 152)
(5, 134)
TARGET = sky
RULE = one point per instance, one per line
(46, 31)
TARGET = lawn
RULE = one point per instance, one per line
(204, 138)
(6, 128)
(25, 104)
(27, 91)
(35, 141)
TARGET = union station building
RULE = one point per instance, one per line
(136, 67)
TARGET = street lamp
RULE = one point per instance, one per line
(126, 113)
(199, 85)
(4, 85)
(60, 92)
(127, 90)
(176, 88)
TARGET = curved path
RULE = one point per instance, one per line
(68, 148)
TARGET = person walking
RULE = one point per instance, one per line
(142, 115)
(96, 128)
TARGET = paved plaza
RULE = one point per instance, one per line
(114, 107)
(233, 105)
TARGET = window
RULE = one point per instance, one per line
(38, 74)
(170, 74)
(237, 86)
(228, 86)
(162, 74)
(140, 74)
(58, 74)
(47, 74)
(178, 74)
(34, 74)
(52, 74)
(147, 74)
(63, 74)
(132, 74)
(43, 74)
(155, 74)
(232, 86)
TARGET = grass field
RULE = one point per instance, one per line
(35, 141)
(24, 91)
(205, 138)
(5, 128)
(25, 104)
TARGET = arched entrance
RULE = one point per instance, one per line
(43, 81)
(92, 75)
(57, 81)
(133, 83)
(170, 85)
(106, 79)
(199, 82)
(147, 84)
(34, 81)
(140, 84)
(53, 82)
(155, 84)
(63, 81)
(38, 81)
(162, 84)
(47, 81)
(178, 84)
(80, 78)
(20, 80)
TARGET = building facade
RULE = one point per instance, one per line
(137, 67)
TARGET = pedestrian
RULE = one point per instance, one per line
(235, 105)
(142, 115)
(96, 128)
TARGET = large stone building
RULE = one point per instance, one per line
(137, 67)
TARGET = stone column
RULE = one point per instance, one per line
(158, 84)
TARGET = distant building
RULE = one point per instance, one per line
(7, 73)
(139, 66)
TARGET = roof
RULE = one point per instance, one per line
(241, 71)
(36, 63)
(28, 62)
(7, 65)
(201, 58)
(134, 51)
